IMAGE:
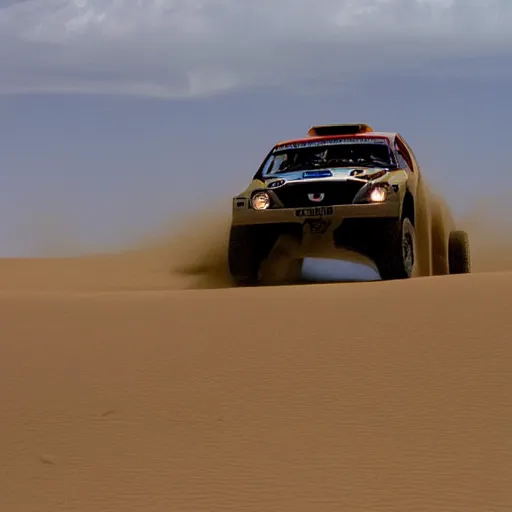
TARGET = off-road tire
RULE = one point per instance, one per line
(439, 240)
(396, 249)
(459, 253)
(248, 247)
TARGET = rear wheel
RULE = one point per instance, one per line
(459, 253)
(397, 250)
(440, 235)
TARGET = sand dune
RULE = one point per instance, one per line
(346, 397)
(249, 400)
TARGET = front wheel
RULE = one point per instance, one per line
(248, 247)
(396, 252)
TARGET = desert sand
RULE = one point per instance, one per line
(141, 381)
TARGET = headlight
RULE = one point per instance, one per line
(260, 201)
(378, 195)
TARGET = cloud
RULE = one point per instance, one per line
(187, 48)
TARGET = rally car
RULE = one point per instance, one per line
(343, 191)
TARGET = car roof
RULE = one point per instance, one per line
(390, 136)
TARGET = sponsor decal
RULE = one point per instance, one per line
(316, 211)
(317, 197)
(334, 142)
(317, 174)
(276, 184)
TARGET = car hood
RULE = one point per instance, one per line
(339, 173)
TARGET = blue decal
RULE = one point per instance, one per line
(317, 174)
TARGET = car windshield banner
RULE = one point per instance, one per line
(333, 142)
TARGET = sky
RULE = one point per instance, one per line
(119, 116)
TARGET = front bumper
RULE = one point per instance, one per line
(334, 214)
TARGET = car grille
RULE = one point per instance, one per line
(295, 195)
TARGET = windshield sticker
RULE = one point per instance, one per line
(335, 142)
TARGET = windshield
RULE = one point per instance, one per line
(362, 152)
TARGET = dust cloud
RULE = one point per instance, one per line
(196, 252)
(194, 255)
(489, 227)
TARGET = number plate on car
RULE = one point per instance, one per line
(317, 211)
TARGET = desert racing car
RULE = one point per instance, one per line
(346, 192)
